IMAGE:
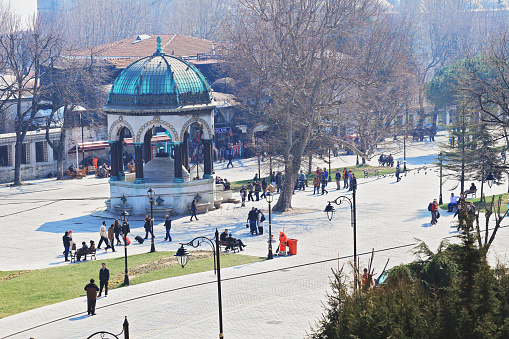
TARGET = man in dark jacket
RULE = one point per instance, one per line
(338, 179)
(104, 276)
(252, 218)
(264, 188)
(250, 191)
(67, 244)
(148, 227)
(230, 158)
(353, 182)
(167, 225)
(91, 296)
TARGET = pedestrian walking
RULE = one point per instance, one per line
(104, 277)
(167, 225)
(103, 232)
(118, 230)
(243, 193)
(273, 179)
(350, 174)
(67, 244)
(250, 191)
(433, 208)
(91, 296)
(193, 210)
(279, 181)
(323, 181)
(316, 184)
(111, 236)
(230, 158)
(338, 179)
(398, 171)
(264, 188)
(258, 189)
(326, 175)
(148, 226)
(345, 178)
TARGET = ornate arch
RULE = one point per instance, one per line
(156, 121)
(194, 119)
(120, 121)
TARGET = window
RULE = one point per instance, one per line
(4, 156)
(25, 154)
(41, 151)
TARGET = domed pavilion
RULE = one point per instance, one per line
(160, 91)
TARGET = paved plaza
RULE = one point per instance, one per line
(259, 301)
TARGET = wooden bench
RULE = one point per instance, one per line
(225, 243)
(366, 172)
(83, 253)
(473, 193)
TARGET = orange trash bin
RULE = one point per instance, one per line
(292, 246)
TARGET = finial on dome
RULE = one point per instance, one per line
(158, 51)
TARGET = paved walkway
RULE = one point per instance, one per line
(282, 303)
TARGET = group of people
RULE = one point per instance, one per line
(255, 219)
(220, 181)
(456, 204)
(386, 160)
(232, 242)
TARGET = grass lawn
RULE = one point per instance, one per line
(21, 291)
(480, 206)
(357, 170)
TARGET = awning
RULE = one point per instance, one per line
(100, 145)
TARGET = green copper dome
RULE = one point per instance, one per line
(159, 80)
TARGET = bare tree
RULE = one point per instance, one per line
(23, 52)
(72, 81)
(286, 51)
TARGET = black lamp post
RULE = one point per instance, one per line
(125, 229)
(151, 193)
(330, 210)
(183, 256)
(269, 197)
(440, 158)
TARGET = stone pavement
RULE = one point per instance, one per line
(282, 303)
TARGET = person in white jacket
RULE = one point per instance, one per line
(103, 232)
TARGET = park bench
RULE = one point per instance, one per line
(225, 244)
(473, 193)
(366, 172)
(83, 253)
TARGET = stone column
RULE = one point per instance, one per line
(138, 162)
(114, 161)
(178, 162)
(185, 151)
(120, 151)
(147, 146)
(207, 158)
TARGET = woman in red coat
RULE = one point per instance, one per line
(434, 212)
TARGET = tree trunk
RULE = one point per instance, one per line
(310, 164)
(17, 161)
(292, 166)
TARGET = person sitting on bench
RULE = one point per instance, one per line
(471, 190)
(83, 249)
(235, 242)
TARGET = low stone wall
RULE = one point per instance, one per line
(28, 172)
(176, 196)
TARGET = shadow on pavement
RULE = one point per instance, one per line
(79, 318)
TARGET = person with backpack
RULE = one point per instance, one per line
(433, 208)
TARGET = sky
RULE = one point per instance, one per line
(24, 7)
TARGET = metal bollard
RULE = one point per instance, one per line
(126, 328)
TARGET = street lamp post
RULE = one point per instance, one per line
(440, 201)
(183, 256)
(329, 209)
(269, 197)
(151, 194)
(330, 174)
(125, 229)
